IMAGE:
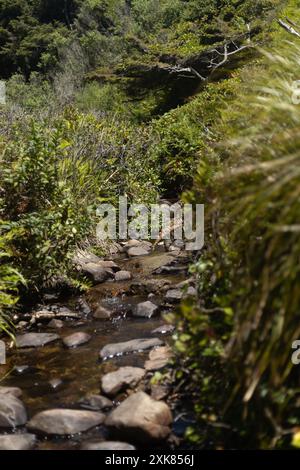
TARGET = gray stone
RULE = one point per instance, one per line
(102, 313)
(158, 358)
(84, 257)
(107, 445)
(34, 340)
(186, 282)
(109, 265)
(55, 323)
(84, 306)
(115, 349)
(160, 391)
(140, 419)
(164, 329)
(17, 441)
(123, 276)
(191, 292)
(12, 411)
(65, 422)
(22, 325)
(138, 244)
(145, 309)
(97, 273)
(137, 251)
(167, 269)
(95, 403)
(179, 244)
(15, 391)
(125, 377)
(76, 339)
(174, 295)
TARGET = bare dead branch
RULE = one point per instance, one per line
(226, 53)
(292, 23)
(189, 70)
(288, 28)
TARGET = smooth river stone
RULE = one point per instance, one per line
(65, 422)
(115, 349)
(35, 340)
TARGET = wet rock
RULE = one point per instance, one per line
(164, 329)
(84, 257)
(97, 269)
(55, 324)
(84, 306)
(149, 286)
(133, 345)
(168, 269)
(97, 273)
(55, 383)
(55, 312)
(125, 377)
(174, 251)
(65, 422)
(123, 276)
(140, 419)
(12, 411)
(158, 358)
(34, 340)
(102, 313)
(174, 295)
(17, 441)
(186, 282)
(65, 312)
(21, 369)
(107, 445)
(76, 339)
(51, 297)
(95, 403)
(159, 392)
(145, 309)
(130, 243)
(15, 391)
(137, 251)
(137, 244)
(109, 265)
(115, 248)
(22, 325)
(179, 244)
(191, 292)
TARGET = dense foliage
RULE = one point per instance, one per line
(248, 316)
(97, 107)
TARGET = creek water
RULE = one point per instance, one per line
(79, 370)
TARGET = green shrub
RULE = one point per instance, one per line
(239, 337)
(39, 203)
(183, 135)
(10, 279)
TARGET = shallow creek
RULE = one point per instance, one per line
(80, 369)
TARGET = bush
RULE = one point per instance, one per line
(10, 279)
(54, 174)
(244, 328)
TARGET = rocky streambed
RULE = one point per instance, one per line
(85, 371)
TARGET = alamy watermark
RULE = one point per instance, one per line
(154, 222)
(295, 358)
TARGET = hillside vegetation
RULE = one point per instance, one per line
(150, 98)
